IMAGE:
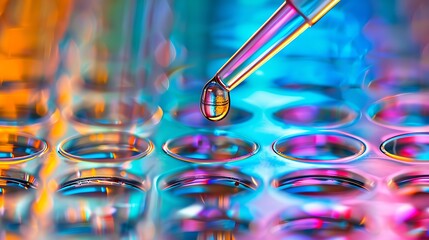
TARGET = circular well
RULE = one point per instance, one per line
(210, 148)
(411, 184)
(323, 183)
(25, 105)
(15, 148)
(16, 182)
(101, 201)
(328, 114)
(209, 222)
(412, 147)
(114, 114)
(109, 147)
(101, 183)
(398, 84)
(208, 182)
(401, 111)
(25, 115)
(319, 147)
(320, 221)
(214, 187)
(17, 192)
(396, 76)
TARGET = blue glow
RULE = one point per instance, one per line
(84, 190)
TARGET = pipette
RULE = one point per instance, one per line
(291, 19)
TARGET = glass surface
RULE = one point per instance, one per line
(210, 148)
(412, 147)
(320, 147)
(315, 183)
(105, 147)
(15, 148)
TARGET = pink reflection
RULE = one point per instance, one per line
(401, 111)
(323, 221)
(412, 221)
(324, 147)
(324, 114)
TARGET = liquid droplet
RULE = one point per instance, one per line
(214, 101)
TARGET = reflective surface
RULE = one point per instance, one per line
(101, 182)
(206, 182)
(396, 76)
(25, 114)
(411, 222)
(105, 147)
(401, 111)
(411, 184)
(207, 202)
(16, 182)
(208, 223)
(320, 221)
(99, 202)
(114, 114)
(319, 147)
(210, 148)
(310, 166)
(18, 191)
(408, 147)
(98, 187)
(15, 148)
(320, 115)
(323, 183)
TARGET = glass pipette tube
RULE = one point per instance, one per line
(291, 19)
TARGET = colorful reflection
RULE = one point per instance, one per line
(411, 185)
(29, 46)
(411, 222)
(15, 148)
(210, 148)
(105, 147)
(331, 183)
(320, 147)
(208, 184)
(412, 147)
(402, 111)
(322, 221)
(104, 201)
(317, 115)
(18, 190)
